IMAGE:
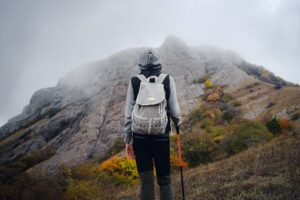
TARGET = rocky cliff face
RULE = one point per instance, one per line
(83, 115)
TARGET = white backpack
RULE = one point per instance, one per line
(149, 115)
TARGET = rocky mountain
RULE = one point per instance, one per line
(81, 117)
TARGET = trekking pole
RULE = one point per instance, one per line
(180, 162)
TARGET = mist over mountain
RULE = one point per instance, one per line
(82, 116)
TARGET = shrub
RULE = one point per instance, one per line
(206, 123)
(86, 171)
(228, 115)
(229, 111)
(123, 169)
(198, 150)
(195, 116)
(285, 123)
(81, 189)
(274, 126)
(208, 83)
(217, 131)
(213, 97)
(245, 135)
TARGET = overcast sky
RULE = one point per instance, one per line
(41, 40)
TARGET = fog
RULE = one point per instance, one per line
(40, 41)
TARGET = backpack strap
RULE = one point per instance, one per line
(142, 78)
(161, 78)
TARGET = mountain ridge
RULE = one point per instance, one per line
(82, 115)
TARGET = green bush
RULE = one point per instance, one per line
(228, 115)
(245, 135)
(198, 150)
(217, 131)
(295, 116)
(274, 126)
(85, 171)
(206, 123)
(229, 111)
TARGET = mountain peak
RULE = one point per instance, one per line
(172, 41)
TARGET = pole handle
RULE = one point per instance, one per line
(177, 129)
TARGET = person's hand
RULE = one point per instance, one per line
(129, 151)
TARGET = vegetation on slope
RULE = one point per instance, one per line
(229, 158)
(270, 170)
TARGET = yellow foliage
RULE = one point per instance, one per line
(123, 169)
(208, 83)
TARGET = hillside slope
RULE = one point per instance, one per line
(266, 171)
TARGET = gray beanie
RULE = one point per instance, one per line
(149, 57)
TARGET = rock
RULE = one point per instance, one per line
(84, 113)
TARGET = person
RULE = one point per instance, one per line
(147, 149)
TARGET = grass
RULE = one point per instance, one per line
(269, 170)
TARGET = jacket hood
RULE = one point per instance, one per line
(149, 59)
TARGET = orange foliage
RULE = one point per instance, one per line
(285, 123)
(213, 97)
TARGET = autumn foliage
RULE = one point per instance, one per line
(208, 83)
(123, 169)
(213, 97)
(285, 123)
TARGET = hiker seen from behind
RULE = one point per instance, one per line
(151, 104)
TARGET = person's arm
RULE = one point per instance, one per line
(173, 103)
(128, 110)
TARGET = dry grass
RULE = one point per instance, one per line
(259, 95)
(267, 171)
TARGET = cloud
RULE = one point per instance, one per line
(42, 40)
